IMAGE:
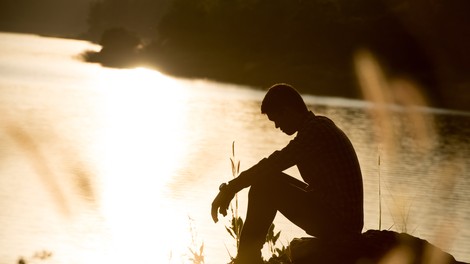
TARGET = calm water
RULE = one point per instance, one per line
(101, 165)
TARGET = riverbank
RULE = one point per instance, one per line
(257, 71)
(261, 70)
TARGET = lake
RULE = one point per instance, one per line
(101, 165)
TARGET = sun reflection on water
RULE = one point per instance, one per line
(144, 118)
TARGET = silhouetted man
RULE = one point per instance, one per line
(327, 205)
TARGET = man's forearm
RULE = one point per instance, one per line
(241, 182)
(248, 177)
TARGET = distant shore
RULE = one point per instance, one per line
(306, 79)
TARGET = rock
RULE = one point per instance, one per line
(371, 247)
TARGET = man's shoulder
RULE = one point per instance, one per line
(318, 127)
(318, 120)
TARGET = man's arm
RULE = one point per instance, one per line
(276, 162)
(249, 176)
(228, 191)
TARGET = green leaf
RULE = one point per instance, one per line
(230, 232)
(239, 225)
(270, 234)
(233, 148)
(234, 173)
(276, 237)
(201, 249)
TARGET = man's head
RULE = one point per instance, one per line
(285, 107)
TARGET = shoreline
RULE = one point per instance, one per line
(192, 67)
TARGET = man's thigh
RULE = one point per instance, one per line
(302, 208)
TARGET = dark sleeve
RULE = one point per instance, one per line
(278, 161)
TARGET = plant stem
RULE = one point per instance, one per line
(380, 199)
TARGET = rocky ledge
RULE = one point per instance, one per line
(373, 246)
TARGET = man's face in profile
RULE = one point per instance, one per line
(284, 121)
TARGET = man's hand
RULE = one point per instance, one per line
(221, 202)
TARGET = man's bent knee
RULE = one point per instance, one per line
(268, 189)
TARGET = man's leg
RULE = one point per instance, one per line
(283, 193)
(305, 209)
(260, 214)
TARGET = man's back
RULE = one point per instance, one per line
(327, 161)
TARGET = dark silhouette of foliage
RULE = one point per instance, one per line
(119, 40)
(119, 49)
(140, 16)
(309, 44)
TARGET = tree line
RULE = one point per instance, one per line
(308, 43)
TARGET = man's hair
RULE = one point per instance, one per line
(281, 96)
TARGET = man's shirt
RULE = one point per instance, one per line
(327, 162)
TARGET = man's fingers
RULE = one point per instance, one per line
(220, 204)
(224, 207)
(214, 214)
(223, 211)
(214, 209)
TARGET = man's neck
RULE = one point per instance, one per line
(302, 118)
